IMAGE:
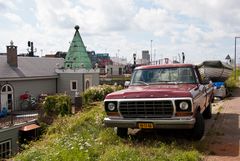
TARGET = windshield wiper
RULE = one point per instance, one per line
(141, 82)
(173, 82)
(165, 82)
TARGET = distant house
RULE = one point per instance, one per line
(35, 76)
(21, 74)
(44, 75)
(115, 70)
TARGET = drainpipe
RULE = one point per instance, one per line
(56, 85)
(83, 82)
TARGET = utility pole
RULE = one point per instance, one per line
(154, 59)
(235, 58)
(151, 51)
(179, 58)
(183, 57)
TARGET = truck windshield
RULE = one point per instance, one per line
(163, 76)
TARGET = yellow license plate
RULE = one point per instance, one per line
(145, 125)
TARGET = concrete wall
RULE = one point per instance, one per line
(35, 88)
(10, 134)
(114, 70)
(65, 79)
(95, 80)
(64, 83)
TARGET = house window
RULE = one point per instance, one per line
(5, 149)
(120, 71)
(73, 85)
(87, 84)
(6, 88)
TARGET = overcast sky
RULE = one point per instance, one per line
(203, 30)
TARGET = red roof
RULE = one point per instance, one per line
(164, 66)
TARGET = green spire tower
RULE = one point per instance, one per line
(77, 56)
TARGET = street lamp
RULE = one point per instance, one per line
(235, 58)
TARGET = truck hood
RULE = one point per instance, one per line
(154, 91)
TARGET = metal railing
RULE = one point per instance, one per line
(17, 118)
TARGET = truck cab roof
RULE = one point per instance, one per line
(164, 66)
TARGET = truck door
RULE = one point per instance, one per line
(204, 91)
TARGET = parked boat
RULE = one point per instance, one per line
(216, 71)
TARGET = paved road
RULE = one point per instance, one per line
(223, 131)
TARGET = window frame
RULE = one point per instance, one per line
(5, 152)
(71, 85)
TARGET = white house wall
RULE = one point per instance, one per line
(34, 87)
(64, 83)
(65, 79)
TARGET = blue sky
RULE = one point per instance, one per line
(203, 30)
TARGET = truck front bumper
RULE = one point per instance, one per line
(176, 123)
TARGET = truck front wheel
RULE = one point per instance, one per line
(207, 113)
(122, 132)
(199, 127)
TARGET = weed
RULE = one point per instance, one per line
(83, 137)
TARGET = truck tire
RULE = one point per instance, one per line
(199, 127)
(122, 132)
(207, 113)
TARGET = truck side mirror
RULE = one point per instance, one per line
(126, 84)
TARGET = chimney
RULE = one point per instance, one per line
(12, 55)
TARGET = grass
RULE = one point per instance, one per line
(83, 137)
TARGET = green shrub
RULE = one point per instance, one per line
(98, 93)
(57, 105)
(231, 83)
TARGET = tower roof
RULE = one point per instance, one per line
(77, 56)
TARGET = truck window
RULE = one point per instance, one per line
(163, 75)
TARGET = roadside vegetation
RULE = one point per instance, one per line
(98, 93)
(231, 83)
(83, 137)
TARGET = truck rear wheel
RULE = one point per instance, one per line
(122, 132)
(199, 127)
(207, 114)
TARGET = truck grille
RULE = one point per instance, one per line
(146, 109)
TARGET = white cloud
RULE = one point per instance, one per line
(218, 15)
(157, 21)
(99, 21)
(13, 17)
(199, 28)
(7, 5)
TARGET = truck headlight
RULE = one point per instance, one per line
(183, 105)
(111, 106)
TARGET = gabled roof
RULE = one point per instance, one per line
(77, 56)
(29, 67)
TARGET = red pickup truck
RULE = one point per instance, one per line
(163, 96)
